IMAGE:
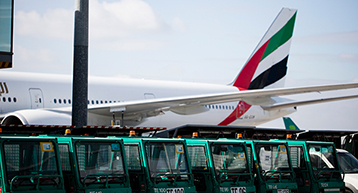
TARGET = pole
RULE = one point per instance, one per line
(80, 65)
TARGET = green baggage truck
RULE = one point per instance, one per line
(220, 166)
(157, 165)
(316, 166)
(271, 165)
(93, 165)
(30, 164)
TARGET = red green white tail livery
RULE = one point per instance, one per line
(267, 65)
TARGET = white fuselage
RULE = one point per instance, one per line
(21, 91)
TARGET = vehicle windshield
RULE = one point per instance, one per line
(99, 162)
(273, 160)
(348, 163)
(229, 161)
(323, 160)
(166, 161)
(29, 161)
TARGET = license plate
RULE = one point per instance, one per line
(175, 190)
(283, 191)
(238, 189)
(331, 190)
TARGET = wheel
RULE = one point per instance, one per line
(348, 190)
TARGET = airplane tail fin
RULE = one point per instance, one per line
(289, 124)
(267, 65)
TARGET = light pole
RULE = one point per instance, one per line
(80, 65)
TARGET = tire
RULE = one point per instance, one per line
(348, 190)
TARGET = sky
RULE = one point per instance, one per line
(198, 41)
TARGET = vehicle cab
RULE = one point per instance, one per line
(158, 165)
(92, 164)
(30, 164)
(220, 166)
(349, 164)
(316, 166)
(271, 165)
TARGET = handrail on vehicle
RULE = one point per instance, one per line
(38, 180)
(171, 174)
(234, 174)
(331, 173)
(279, 176)
(102, 175)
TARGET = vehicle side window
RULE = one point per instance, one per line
(250, 156)
(297, 157)
(64, 157)
(133, 157)
(197, 157)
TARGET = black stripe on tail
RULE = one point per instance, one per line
(271, 75)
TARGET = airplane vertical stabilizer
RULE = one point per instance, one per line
(267, 65)
(289, 124)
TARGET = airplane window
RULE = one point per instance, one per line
(88, 102)
(110, 101)
(4, 99)
(114, 101)
(219, 106)
(9, 99)
(40, 100)
(69, 101)
(101, 102)
(92, 102)
(15, 100)
(59, 101)
(64, 101)
(54, 101)
(96, 102)
(105, 101)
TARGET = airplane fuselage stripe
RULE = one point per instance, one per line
(240, 109)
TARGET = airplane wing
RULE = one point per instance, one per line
(195, 104)
(307, 102)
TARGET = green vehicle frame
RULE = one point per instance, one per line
(271, 164)
(30, 164)
(316, 166)
(158, 165)
(220, 166)
(91, 164)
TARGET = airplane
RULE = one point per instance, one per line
(253, 98)
(289, 124)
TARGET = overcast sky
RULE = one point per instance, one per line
(198, 41)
